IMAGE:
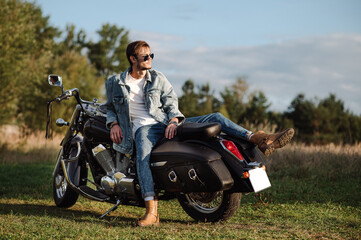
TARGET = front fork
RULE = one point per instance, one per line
(70, 166)
(61, 159)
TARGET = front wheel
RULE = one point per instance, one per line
(210, 207)
(63, 195)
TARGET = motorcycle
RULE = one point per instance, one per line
(206, 170)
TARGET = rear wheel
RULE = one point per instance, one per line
(210, 207)
(63, 195)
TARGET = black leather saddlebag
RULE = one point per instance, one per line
(188, 167)
(96, 131)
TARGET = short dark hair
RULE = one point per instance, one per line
(133, 49)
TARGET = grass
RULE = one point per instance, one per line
(315, 194)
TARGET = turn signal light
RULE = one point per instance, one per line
(232, 148)
(246, 174)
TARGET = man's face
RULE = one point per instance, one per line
(140, 64)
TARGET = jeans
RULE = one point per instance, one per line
(145, 139)
(147, 136)
(228, 127)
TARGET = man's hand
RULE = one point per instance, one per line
(171, 129)
(116, 134)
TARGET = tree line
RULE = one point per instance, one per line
(315, 121)
(30, 49)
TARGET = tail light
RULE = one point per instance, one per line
(230, 146)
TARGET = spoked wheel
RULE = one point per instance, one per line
(63, 195)
(210, 207)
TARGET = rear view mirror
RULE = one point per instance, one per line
(55, 80)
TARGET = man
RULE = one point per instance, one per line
(143, 107)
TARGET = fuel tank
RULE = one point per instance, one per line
(96, 131)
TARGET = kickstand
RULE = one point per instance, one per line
(111, 209)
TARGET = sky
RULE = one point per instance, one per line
(279, 47)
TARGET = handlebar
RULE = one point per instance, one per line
(64, 96)
(67, 94)
(71, 93)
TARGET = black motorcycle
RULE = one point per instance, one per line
(206, 170)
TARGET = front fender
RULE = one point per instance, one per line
(73, 161)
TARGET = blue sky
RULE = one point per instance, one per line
(281, 47)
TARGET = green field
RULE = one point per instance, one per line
(315, 194)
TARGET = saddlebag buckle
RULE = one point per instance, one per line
(192, 174)
(172, 176)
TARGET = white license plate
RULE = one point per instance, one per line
(259, 179)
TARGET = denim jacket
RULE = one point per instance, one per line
(159, 98)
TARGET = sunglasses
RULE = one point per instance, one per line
(146, 57)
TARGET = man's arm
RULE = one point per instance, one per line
(171, 129)
(116, 133)
(170, 106)
(170, 102)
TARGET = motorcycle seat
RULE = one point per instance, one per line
(198, 131)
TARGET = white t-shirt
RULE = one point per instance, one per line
(139, 114)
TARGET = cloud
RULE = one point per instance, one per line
(316, 66)
(160, 42)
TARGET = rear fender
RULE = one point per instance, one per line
(247, 149)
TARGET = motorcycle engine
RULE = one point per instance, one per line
(112, 184)
(104, 158)
(115, 181)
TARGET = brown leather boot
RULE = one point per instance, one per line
(267, 143)
(156, 208)
(151, 216)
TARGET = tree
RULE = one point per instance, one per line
(205, 100)
(26, 40)
(109, 54)
(189, 100)
(325, 122)
(332, 114)
(233, 100)
(73, 41)
(302, 112)
(256, 110)
(354, 132)
(29, 52)
(198, 103)
(76, 73)
(335, 125)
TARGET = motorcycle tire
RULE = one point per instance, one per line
(63, 195)
(210, 207)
